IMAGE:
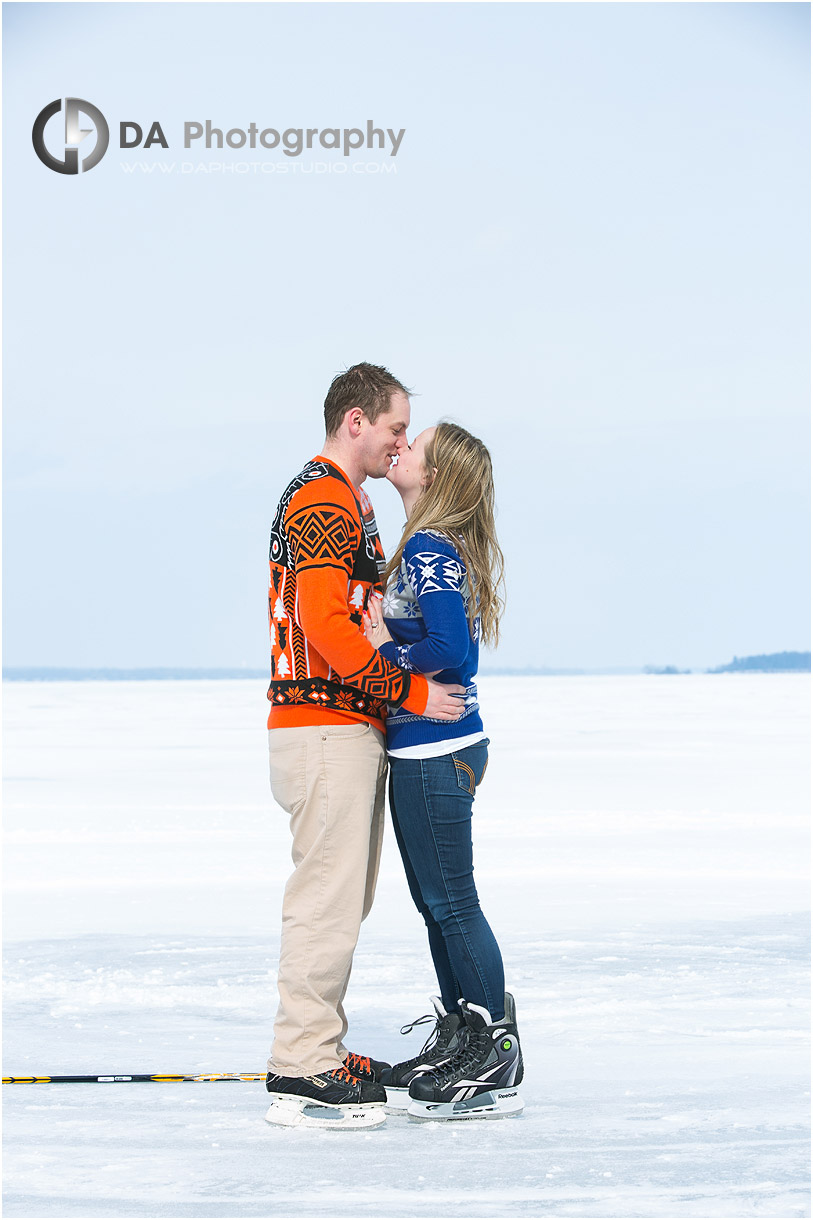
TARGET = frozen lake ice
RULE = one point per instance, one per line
(641, 850)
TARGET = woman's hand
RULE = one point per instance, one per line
(375, 629)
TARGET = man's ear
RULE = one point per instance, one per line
(354, 418)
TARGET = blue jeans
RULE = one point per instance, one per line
(431, 804)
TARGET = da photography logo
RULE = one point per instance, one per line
(285, 144)
(74, 135)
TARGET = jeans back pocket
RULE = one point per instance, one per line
(468, 763)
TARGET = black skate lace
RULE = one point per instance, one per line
(430, 1041)
(429, 1016)
(466, 1057)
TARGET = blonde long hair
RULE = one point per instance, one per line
(458, 502)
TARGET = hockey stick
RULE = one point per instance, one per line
(207, 1077)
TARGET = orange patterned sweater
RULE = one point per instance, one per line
(325, 560)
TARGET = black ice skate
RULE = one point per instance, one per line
(334, 1099)
(481, 1080)
(444, 1041)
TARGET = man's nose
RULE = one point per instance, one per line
(401, 441)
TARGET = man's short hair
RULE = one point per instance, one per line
(366, 386)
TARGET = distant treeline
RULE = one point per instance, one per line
(774, 663)
(766, 663)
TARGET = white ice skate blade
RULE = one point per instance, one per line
(397, 1099)
(288, 1111)
(499, 1103)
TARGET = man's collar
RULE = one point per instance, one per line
(331, 462)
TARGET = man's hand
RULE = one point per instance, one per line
(445, 702)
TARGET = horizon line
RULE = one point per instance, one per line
(21, 673)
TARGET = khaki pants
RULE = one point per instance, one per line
(330, 779)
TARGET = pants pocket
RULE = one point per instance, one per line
(465, 775)
(471, 769)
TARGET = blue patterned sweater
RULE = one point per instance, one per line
(425, 608)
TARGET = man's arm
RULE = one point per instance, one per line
(323, 540)
(325, 619)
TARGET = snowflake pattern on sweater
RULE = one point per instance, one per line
(424, 570)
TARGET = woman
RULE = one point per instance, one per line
(442, 596)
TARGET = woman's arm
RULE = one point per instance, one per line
(377, 633)
(436, 574)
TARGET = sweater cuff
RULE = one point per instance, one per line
(404, 691)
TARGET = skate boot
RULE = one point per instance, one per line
(334, 1099)
(365, 1068)
(444, 1041)
(481, 1080)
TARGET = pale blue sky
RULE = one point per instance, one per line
(594, 254)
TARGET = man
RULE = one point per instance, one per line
(329, 694)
